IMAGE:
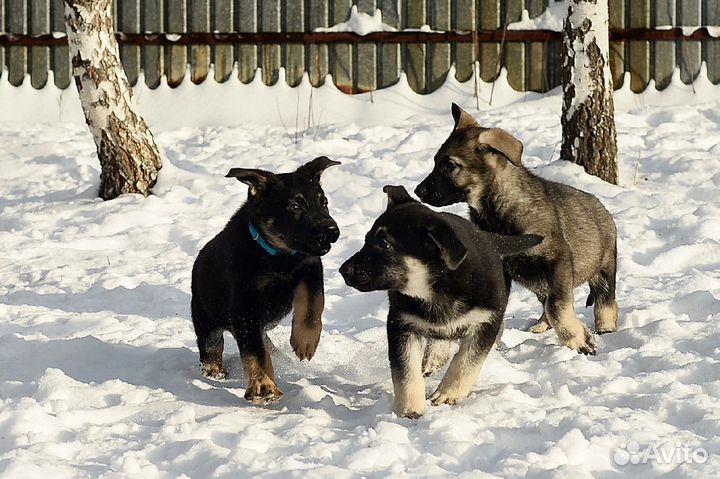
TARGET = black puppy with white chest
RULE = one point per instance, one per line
(265, 262)
(445, 281)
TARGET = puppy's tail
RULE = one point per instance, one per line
(511, 245)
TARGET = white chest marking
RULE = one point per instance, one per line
(418, 280)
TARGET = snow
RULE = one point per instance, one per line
(100, 375)
(550, 19)
(360, 23)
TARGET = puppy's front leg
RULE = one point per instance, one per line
(466, 364)
(257, 365)
(308, 304)
(406, 354)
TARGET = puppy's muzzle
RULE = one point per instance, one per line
(353, 275)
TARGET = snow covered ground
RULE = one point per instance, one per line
(99, 373)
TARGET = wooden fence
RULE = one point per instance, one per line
(354, 66)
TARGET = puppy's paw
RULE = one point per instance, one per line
(304, 341)
(436, 355)
(262, 390)
(584, 343)
(213, 371)
(410, 414)
(541, 326)
(442, 396)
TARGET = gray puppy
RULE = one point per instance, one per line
(482, 167)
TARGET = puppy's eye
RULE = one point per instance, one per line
(451, 166)
(294, 207)
(324, 202)
(384, 244)
(482, 149)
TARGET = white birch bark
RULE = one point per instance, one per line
(588, 116)
(129, 157)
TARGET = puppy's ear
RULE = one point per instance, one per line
(462, 118)
(502, 141)
(316, 167)
(257, 180)
(451, 248)
(396, 195)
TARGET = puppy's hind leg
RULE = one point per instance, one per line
(260, 384)
(437, 353)
(542, 324)
(210, 343)
(602, 291)
(560, 311)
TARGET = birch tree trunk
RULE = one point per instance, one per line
(129, 158)
(588, 113)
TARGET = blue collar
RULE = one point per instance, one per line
(255, 235)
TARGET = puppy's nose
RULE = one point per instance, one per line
(333, 233)
(347, 270)
(421, 190)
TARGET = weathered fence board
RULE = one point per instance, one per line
(389, 66)
(490, 52)
(711, 48)
(17, 56)
(663, 51)
(514, 52)
(176, 16)
(532, 62)
(617, 49)
(247, 54)
(223, 56)
(464, 56)
(294, 55)
(639, 51)
(128, 20)
(39, 56)
(689, 54)
(153, 61)
(199, 21)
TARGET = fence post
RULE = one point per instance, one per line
(688, 53)
(199, 21)
(128, 21)
(152, 55)
(438, 54)
(247, 55)
(16, 56)
(711, 54)
(177, 54)
(415, 53)
(294, 54)
(389, 53)
(663, 52)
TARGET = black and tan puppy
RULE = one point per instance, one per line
(263, 264)
(482, 167)
(445, 281)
